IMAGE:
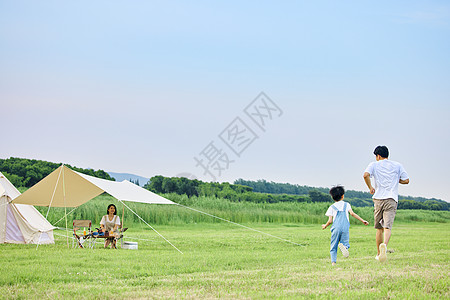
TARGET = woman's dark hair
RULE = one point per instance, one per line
(115, 209)
(337, 192)
(381, 151)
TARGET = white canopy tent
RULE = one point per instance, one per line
(67, 188)
(21, 223)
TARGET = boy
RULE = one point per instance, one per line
(338, 215)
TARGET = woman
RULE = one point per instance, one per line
(110, 224)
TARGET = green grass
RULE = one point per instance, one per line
(222, 260)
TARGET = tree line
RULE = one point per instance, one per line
(262, 191)
(356, 198)
(233, 192)
(27, 172)
(23, 172)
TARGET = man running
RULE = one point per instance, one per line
(387, 174)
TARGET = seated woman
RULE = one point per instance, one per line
(110, 224)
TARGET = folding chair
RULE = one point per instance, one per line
(80, 239)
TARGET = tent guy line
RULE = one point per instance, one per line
(151, 227)
(65, 215)
(268, 234)
(196, 210)
(303, 245)
(76, 189)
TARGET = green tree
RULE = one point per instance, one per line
(17, 181)
(318, 196)
(155, 184)
(169, 185)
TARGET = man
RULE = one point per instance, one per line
(387, 174)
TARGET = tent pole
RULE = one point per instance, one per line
(51, 200)
(65, 209)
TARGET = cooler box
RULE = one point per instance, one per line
(130, 245)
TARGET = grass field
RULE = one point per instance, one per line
(222, 260)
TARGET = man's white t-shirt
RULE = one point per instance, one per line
(340, 206)
(387, 174)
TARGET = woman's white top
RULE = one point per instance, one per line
(109, 224)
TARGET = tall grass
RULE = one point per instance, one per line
(239, 212)
(414, 215)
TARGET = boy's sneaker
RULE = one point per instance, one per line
(344, 250)
(382, 256)
(377, 257)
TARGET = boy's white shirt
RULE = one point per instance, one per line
(340, 206)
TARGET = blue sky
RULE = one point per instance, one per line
(144, 86)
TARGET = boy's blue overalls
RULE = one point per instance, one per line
(339, 231)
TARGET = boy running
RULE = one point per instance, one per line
(338, 215)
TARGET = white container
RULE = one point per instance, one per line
(130, 245)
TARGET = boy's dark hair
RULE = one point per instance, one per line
(381, 151)
(115, 209)
(337, 192)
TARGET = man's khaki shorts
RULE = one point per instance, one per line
(384, 213)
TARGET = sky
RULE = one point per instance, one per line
(287, 91)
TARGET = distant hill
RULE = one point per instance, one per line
(130, 177)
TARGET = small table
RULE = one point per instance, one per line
(112, 237)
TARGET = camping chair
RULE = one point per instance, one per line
(84, 238)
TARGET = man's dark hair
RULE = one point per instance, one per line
(381, 151)
(337, 192)
(115, 209)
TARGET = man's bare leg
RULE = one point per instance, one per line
(379, 238)
(387, 235)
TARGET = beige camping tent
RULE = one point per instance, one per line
(67, 188)
(21, 223)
